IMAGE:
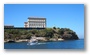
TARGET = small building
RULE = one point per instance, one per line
(8, 26)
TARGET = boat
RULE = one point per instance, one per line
(33, 41)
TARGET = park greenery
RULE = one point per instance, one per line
(48, 33)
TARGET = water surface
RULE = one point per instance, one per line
(71, 44)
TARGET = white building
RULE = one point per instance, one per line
(35, 22)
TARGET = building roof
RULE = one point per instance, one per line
(25, 22)
(8, 25)
(36, 18)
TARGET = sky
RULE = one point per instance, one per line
(58, 15)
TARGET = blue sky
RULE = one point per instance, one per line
(59, 15)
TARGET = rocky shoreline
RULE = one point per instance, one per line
(26, 40)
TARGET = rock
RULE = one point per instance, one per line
(70, 37)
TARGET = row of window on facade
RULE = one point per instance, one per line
(36, 26)
(38, 23)
(37, 20)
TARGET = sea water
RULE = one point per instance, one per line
(69, 44)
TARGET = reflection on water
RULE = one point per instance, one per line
(71, 44)
(35, 43)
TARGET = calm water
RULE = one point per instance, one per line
(72, 44)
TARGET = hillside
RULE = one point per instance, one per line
(48, 33)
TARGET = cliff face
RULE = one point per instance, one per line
(70, 37)
(67, 34)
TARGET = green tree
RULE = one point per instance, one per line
(54, 27)
(49, 33)
(61, 31)
(29, 35)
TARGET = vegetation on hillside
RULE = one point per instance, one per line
(64, 33)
